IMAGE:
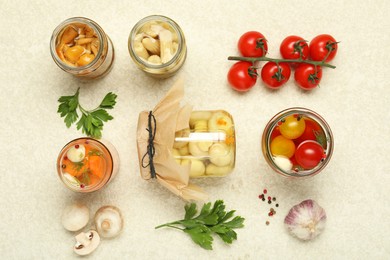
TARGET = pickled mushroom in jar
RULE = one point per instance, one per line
(77, 45)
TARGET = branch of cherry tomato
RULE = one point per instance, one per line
(307, 59)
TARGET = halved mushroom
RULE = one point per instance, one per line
(108, 221)
(86, 243)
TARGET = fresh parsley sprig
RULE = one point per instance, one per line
(211, 220)
(91, 121)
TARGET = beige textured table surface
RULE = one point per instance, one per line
(353, 98)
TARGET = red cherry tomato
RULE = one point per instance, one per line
(275, 133)
(294, 47)
(309, 154)
(312, 130)
(323, 48)
(308, 76)
(275, 75)
(252, 44)
(242, 76)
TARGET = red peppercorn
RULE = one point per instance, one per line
(77, 146)
(82, 185)
(270, 214)
(265, 191)
(269, 197)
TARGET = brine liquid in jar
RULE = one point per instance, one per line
(208, 145)
(86, 164)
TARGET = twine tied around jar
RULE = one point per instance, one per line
(150, 148)
(157, 144)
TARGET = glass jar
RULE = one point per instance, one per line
(80, 47)
(208, 145)
(157, 46)
(86, 164)
(297, 142)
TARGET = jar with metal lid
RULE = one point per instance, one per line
(208, 145)
(157, 46)
(86, 164)
(80, 47)
(297, 142)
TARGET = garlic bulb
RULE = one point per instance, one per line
(108, 221)
(306, 220)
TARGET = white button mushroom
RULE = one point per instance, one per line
(108, 221)
(199, 115)
(220, 121)
(75, 217)
(220, 154)
(86, 243)
(197, 167)
(212, 169)
(200, 148)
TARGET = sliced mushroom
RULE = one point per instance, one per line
(86, 243)
(109, 221)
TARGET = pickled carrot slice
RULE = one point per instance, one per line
(93, 180)
(74, 169)
(96, 166)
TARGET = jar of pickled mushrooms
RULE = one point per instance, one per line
(80, 47)
(157, 46)
(208, 145)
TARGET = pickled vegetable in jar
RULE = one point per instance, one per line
(80, 47)
(297, 142)
(157, 46)
(208, 145)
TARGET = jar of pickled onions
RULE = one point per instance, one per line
(297, 142)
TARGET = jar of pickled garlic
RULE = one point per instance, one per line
(80, 47)
(86, 164)
(208, 145)
(157, 46)
(297, 142)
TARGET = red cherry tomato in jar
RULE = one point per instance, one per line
(312, 131)
(323, 48)
(275, 133)
(309, 154)
(274, 75)
(294, 47)
(242, 76)
(252, 44)
(308, 76)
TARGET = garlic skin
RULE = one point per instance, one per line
(306, 220)
(108, 221)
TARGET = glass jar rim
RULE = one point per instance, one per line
(87, 188)
(162, 18)
(306, 112)
(53, 42)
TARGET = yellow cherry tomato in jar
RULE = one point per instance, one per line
(283, 146)
(292, 126)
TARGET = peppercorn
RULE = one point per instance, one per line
(277, 205)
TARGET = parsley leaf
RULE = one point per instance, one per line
(91, 121)
(210, 220)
